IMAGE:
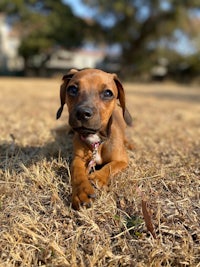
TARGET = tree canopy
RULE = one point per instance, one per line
(44, 25)
(147, 29)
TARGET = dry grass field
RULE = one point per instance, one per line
(38, 227)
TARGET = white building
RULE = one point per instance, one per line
(79, 59)
(58, 61)
(9, 43)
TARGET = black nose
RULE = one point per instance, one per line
(84, 113)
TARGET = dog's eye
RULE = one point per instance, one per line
(107, 94)
(72, 90)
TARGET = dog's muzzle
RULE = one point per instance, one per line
(84, 113)
(85, 119)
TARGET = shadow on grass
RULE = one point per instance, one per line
(14, 158)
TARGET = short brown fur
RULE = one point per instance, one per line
(91, 96)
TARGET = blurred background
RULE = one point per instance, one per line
(141, 40)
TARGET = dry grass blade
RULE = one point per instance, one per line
(147, 218)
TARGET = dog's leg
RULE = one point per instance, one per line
(110, 169)
(82, 190)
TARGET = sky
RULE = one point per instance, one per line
(79, 8)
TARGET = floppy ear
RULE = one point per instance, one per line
(121, 94)
(66, 78)
(121, 97)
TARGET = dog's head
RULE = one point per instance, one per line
(91, 96)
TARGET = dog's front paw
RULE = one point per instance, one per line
(82, 195)
(99, 178)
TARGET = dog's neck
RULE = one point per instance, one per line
(93, 140)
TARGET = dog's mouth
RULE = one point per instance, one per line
(83, 131)
(89, 136)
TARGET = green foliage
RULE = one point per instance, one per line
(143, 28)
(44, 24)
(133, 221)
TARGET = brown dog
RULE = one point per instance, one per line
(99, 123)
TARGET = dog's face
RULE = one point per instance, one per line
(91, 97)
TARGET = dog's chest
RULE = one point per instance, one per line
(95, 142)
(98, 158)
